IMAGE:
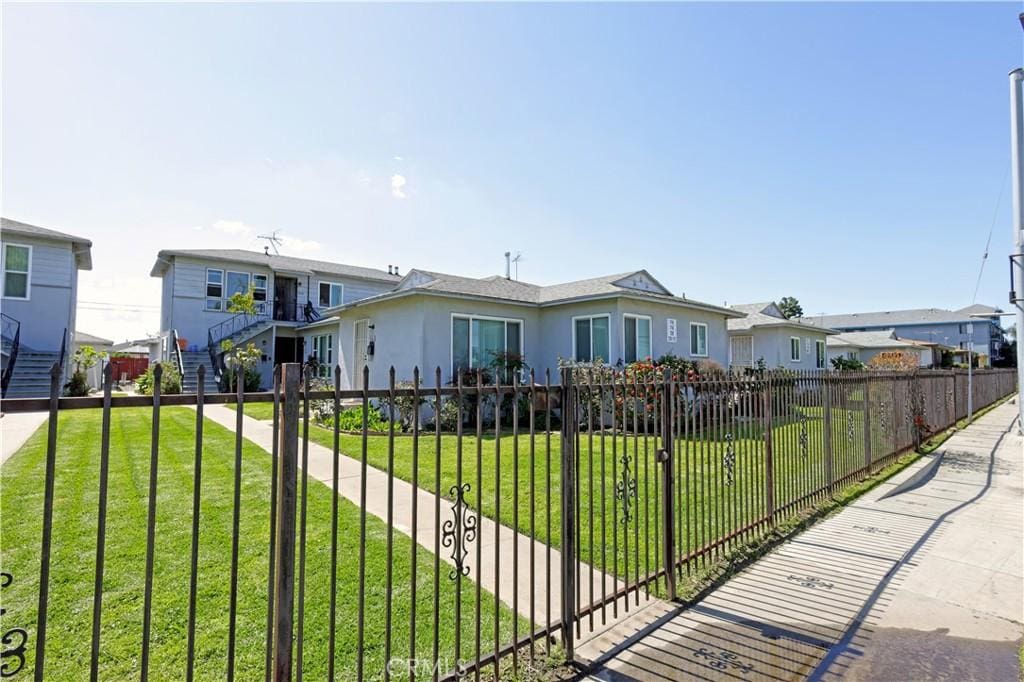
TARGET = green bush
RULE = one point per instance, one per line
(352, 419)
(251, 384)
(78, 386)
(170, 381)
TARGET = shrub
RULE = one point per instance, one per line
(170, 380)
(250, 384)
(351, 419)
(844, 364)
(78, 386)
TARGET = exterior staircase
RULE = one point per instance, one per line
(190, 362)
(31, 376)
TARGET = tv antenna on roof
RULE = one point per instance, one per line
(515, 261)
(272, 241)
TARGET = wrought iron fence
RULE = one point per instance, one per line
(455, 530)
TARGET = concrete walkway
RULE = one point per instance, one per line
(17, 428)
(492, 577)
(924, 584)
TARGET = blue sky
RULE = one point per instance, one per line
(850, 155)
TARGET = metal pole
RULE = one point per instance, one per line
(1017, 264)
(568, 486)
(970, 372)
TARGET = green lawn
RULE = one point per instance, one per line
(709, 505)
(73, 558)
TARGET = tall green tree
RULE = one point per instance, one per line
(790, 307)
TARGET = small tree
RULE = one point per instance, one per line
(85, 358)
(245, 359)
(790, 307)
(243, 302)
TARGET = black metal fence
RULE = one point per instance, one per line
(434, 531)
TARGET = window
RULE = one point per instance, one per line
(698, 339)
(330, 294)
(477, 341)
(214, 289)
(741, 351)
(323, 352)
(591, 338)
(237, 283)
(794, 349)
(637, 332)
(820, 355)
(17, 263)
(259, 288)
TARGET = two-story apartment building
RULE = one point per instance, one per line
(435, 320)
(961, 329)
(290, 292)
(39, 293)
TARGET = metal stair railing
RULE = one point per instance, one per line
(7, 323)
(226, 329)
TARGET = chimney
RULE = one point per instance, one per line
(396, 270)
(389, 270)
(508, 265)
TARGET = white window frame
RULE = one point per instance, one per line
(27, 273)
(693, 351)
(206, 291)
(796, 347)
(650, 327)
(325, 367)
(824, 355)
(607, 316)
(248, 280)
(265, 288)
(732, 359)
(330, 283)
(471, 317)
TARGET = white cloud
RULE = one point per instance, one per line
(398, 187)
(296, 245)
(234, 227)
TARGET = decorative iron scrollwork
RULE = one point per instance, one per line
(803, 439)
(729, 460)
(883, 417)
(851, 432)
(12, 642)
(459, 531)
(625, 490)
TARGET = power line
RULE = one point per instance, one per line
(988, 242)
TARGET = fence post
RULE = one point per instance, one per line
(867, 423)
(568, 490)
(769, 465)
(284, 571)
(668, 517)
(826, 426)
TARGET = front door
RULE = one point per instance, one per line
(359, 352)
(286, 293)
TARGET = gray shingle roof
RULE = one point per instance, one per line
(89, 339)
(892, 318)
(756, 318)
(500, 288)
(979, 309)
(16, 227)
(873, 339)
(274, 262)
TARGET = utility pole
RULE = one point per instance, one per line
(1017, 256)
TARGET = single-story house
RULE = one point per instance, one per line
(433, 319)
(39, 291)
(767, 336)
(864, 346)
(94, 375)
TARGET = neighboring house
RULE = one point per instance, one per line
(94, 375)
(864, 346)
(433, 320)
(934, 325)
(39, 290)
(290, 292)
(764, 334)
(132, 358)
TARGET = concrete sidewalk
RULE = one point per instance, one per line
(17, 428)
(924, 584)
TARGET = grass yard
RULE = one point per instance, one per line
(710, 502)
(73, 558)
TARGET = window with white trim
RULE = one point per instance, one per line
(330, 294)
(17, 264)
(637, 337)
(591, 338)
(214, 289)
(741, 351)
(478, 341)
(323, 353)
(820, 356)
(794, 349)
(236, 283)
(698, 339)
(259, 288)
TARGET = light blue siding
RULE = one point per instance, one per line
(53, 284)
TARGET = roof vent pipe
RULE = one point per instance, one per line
(508, 265)
(389, 270)
(396, 270)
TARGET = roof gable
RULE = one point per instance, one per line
(641, 280)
